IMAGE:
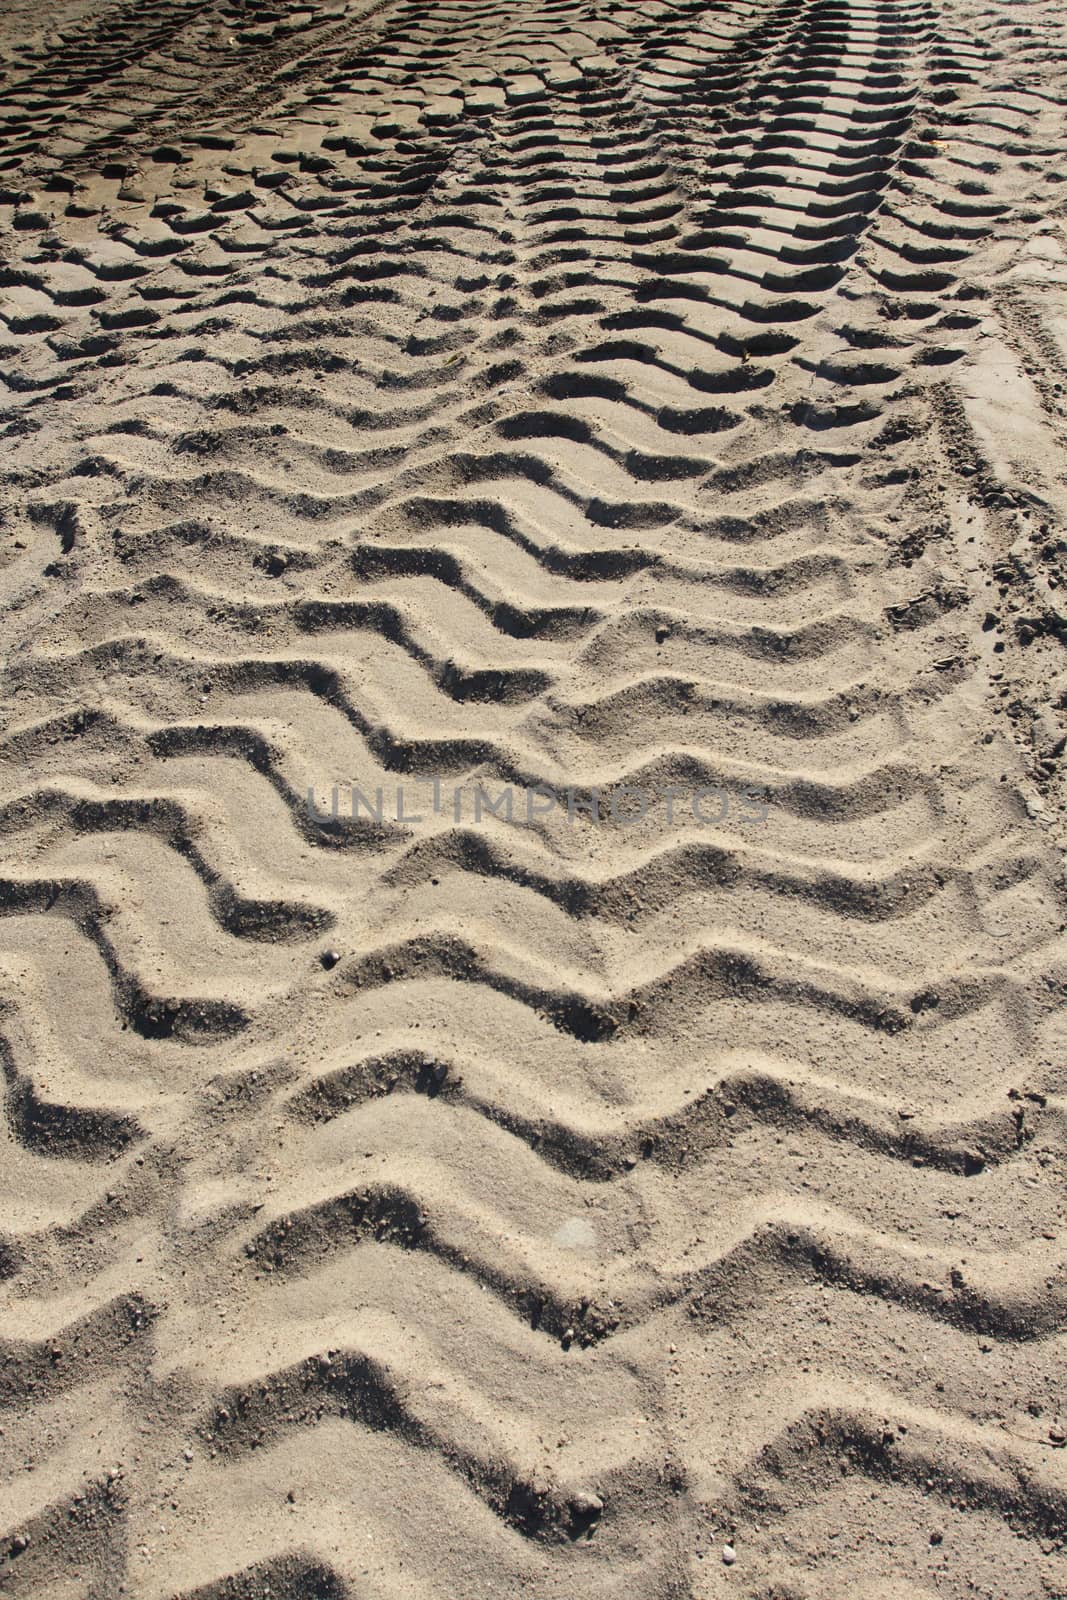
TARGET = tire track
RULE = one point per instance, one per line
(562, 398)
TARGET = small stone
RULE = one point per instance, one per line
(1057, 1436)
(330, 958)
(936, 1536)
(19, 1543)
(188, 1454)
(585, 1506)
(729, 1555)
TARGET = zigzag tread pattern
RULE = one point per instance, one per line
(531, 766)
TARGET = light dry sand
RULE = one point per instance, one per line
(543, 393)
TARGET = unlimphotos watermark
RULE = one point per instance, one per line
(623, 805)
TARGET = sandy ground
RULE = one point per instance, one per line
(456, 397)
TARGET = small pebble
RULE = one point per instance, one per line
(729, 1555)
(330, 958)
(586, 1506)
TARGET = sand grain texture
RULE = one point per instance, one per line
(547, 394)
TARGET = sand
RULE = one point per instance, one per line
(463, 401)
